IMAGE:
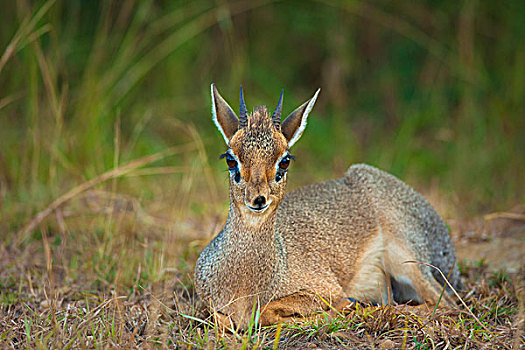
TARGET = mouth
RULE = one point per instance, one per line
(259, 209)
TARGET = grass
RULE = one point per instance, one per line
(44, 305)
(110, 184)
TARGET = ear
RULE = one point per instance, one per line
(223, 115)
(294, 125)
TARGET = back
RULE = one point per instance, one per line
(323, 226)
(413, 216)
(326, 223)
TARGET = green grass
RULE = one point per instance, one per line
(105, 131)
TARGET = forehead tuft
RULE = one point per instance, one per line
(259, 140)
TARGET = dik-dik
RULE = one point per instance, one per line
(292, 254)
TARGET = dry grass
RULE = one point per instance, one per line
(102, 272)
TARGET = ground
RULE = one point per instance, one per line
(62, 287)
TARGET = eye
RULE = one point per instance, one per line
(232, 163)
(282, 167)
(284, 163)
(232, 166)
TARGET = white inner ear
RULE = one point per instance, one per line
(214, 114)
(304, 118)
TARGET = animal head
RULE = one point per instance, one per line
(258, 151)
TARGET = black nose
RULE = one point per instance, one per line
(259, 202)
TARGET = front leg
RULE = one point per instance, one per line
(223, 323)
(297, 305)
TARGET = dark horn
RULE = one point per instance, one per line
(243, 119)
(276, 118)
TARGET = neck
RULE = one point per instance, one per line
(243, 224)
(255, 249)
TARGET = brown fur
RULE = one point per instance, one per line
(320, 244)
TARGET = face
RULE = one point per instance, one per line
(257, 157)
(257, 161)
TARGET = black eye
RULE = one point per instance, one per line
(232, 163)
(232, 166)
(283, 166)
(284, 163)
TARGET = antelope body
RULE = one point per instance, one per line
(292, 255)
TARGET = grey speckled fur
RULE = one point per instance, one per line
(349, 237)
(413, 216)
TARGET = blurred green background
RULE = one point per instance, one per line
(432, 91)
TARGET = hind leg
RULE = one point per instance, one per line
(410, 282)
(429, 289)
